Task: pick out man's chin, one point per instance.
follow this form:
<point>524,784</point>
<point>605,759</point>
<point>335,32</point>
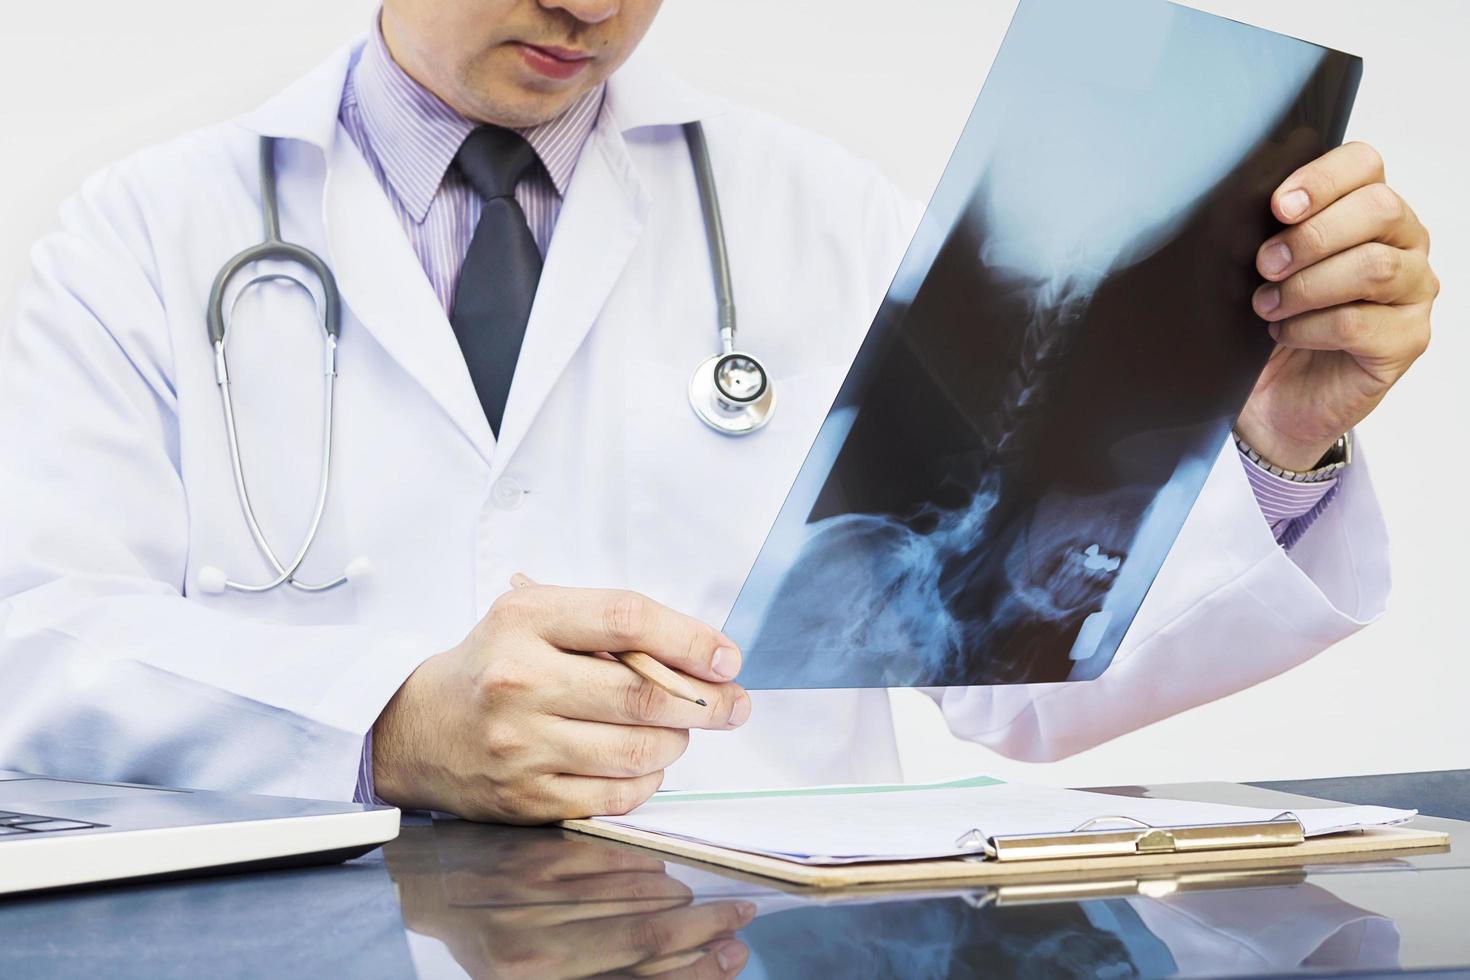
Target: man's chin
<point>521,106</point>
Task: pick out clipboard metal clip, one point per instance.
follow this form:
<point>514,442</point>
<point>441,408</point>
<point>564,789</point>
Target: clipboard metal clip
<point>1138,838</point>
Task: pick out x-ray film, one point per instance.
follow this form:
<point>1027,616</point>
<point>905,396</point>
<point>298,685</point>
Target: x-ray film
<point>1057,363</point>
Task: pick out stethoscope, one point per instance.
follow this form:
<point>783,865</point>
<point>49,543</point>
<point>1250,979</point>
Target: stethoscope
<point>730,391</point>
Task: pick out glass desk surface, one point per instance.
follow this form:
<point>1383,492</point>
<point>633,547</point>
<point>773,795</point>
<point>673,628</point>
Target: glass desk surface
<point>452,899</point>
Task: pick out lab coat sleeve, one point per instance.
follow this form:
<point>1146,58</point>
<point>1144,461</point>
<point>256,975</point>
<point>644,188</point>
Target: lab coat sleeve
<point>108,670</point>
<point>1230,608</point>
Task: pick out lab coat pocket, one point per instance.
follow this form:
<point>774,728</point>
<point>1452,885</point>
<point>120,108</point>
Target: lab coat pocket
<point>701,502</point>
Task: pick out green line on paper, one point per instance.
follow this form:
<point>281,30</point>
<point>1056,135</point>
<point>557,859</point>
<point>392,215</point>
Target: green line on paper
<point>763,794</point>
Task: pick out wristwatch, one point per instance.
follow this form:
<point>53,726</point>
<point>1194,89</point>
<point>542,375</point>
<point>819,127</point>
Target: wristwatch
<point>1333,462</point>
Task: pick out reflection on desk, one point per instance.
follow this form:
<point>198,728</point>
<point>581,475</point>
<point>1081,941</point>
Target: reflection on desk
<point>539,903</point>
<point>492,902</point>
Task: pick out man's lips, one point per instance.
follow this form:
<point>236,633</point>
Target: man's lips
<point>553,62</point>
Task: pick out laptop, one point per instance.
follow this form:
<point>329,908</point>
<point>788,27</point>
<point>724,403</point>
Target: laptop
<point>65,833</point>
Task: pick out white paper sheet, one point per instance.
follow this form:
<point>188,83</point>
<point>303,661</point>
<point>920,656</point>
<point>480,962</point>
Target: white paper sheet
<point>829,825</point>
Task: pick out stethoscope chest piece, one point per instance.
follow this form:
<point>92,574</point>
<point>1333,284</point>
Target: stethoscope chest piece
<point>732,393</point>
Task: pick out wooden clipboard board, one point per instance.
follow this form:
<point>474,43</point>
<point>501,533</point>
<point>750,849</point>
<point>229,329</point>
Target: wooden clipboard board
<point>1363,845</point>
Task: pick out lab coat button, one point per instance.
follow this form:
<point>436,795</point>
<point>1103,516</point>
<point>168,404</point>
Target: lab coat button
<point>508,494</point>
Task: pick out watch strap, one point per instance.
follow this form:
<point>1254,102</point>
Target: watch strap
<point>1333,462</point>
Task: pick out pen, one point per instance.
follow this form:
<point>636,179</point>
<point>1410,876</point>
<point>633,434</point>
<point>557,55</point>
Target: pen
<point>642,664</point>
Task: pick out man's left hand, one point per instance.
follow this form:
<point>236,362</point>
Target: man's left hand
<point>1347,298</point>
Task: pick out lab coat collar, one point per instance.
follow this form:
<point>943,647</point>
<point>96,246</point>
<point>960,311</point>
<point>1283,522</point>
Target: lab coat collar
<point>643,93</point>
<point>307,109</point>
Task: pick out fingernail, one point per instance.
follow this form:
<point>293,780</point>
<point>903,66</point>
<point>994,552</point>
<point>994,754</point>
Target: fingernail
<point>1268,299</point>
<point>1275,259</point>
<point>1274,329</point>
<point>1294,203</point>
<point>730,955</point>
<point>725,663</point>
<point>746,910</point>
<point>740,711</point>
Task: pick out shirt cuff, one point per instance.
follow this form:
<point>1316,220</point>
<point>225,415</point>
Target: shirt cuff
<point>365,792</point>
<point>1289,507</point>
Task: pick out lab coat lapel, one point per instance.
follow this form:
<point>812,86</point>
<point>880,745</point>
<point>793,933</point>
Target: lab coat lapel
<point>598,228</point>
<point>380,278</point>
<point>384,286</point>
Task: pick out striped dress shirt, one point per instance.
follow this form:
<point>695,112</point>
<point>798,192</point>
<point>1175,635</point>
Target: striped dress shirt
<point>1290,508</point>
<point>409,138</point>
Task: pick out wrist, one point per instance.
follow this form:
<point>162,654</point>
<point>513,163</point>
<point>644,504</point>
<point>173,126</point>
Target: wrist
<point>1287,454</point>
<point>398,741</point>
<point>1324,470</point>
<point>1297,452</point>
<point>387,761</point>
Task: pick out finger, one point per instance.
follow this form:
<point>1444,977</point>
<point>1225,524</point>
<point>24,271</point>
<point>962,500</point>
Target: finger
<point>1374,213</point>
<point>600,898</point>
<point>473,890</point>
<point>1372,333</point>
<point>1329,177</point>
<point>589,689</point>
<point>722,959</point>
<point>591,620</point>
<point>578,856</point>
<point>673,965</point>
<point>1373,271</point>
<point>595,796</point>
<point>565,941</point>
<point>590,947</point>
<point>660,934</point>
<point>588,748</point>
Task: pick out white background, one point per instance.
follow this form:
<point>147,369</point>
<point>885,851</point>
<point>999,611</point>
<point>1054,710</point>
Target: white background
<point>86,81</point>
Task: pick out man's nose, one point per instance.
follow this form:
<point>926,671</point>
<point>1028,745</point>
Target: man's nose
<point>586,11</point>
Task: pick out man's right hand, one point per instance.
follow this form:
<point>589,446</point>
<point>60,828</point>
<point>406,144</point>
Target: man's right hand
<point>523,722</point>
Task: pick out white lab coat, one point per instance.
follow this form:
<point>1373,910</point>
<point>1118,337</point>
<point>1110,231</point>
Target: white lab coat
<point>116,487</point>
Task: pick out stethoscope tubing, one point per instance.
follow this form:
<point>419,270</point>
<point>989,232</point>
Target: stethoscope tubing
<point>736,419</point>
<point>274,248</point>
<point>714,232</point>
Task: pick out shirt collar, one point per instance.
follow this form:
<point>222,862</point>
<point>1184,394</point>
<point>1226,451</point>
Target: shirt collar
<point>415,135</point>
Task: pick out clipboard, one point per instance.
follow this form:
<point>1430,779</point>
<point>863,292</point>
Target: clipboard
<point>1088,841</point>
<point>1082,853</point>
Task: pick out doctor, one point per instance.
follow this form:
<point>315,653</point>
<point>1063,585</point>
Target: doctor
<point>461,162</point>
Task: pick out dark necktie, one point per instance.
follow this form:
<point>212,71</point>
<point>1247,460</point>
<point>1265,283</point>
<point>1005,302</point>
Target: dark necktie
<point>497,281</point>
